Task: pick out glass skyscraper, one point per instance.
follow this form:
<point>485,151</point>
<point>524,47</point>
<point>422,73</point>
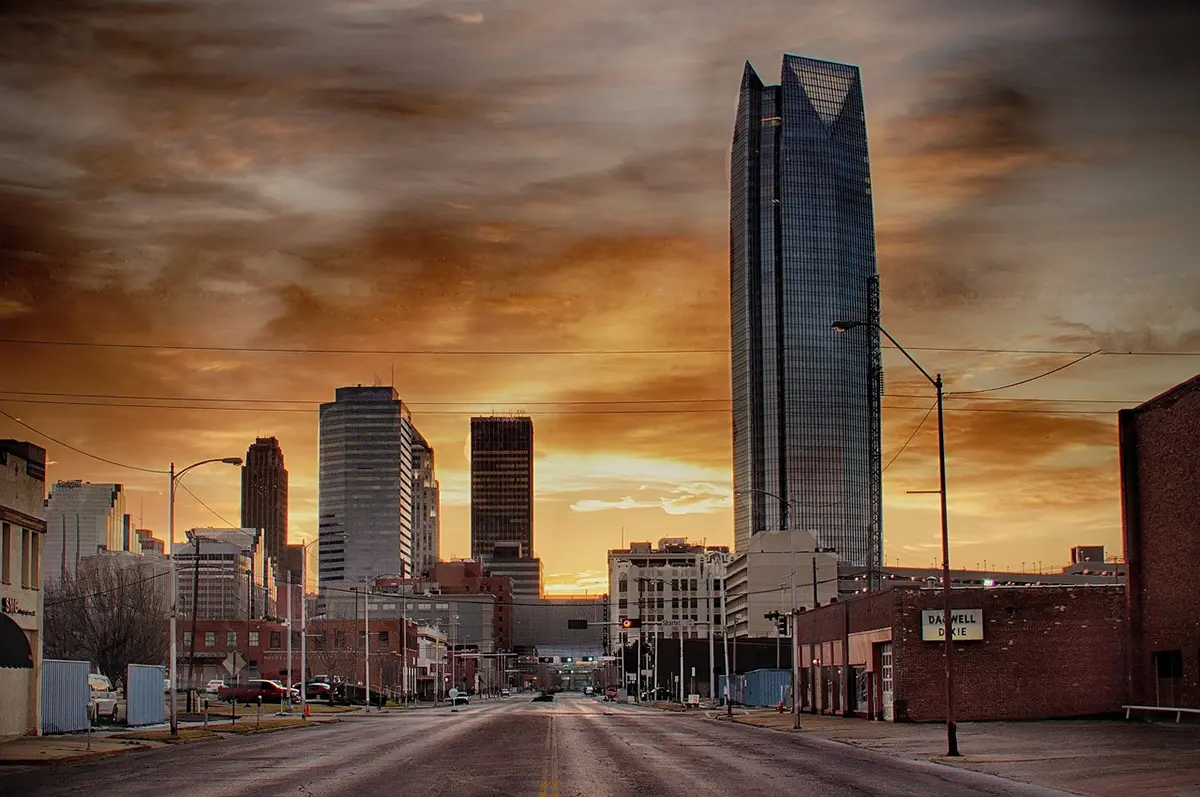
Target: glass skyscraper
<point>365,486</point>
<point>806,424</point>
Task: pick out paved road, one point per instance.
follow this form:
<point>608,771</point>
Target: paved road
<point>574,746</point>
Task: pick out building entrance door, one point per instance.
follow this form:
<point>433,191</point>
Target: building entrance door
<point>885,667</point>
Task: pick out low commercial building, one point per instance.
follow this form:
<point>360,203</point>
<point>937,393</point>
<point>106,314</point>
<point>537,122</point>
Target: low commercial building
<point>1161,520</point>
<point>1026,653</point>
<point>236,651</point>
<point>22,533</point>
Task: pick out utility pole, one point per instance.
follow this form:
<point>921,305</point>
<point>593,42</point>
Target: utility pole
<point>291,673</point>
<point>367,638</point>
<point>403,647</point>
<point>706,569</point>
<point>304,644</point>
<point>725,643</point>
<point>195,614</point>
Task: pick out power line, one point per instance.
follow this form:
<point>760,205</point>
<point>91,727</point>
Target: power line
<point>539,413</point>
<point>896,456</point>
<point>1030,379</point>
<point>432,402</point>
<point>536,352</point>
<point>79,450</point>
<point>209,508</point>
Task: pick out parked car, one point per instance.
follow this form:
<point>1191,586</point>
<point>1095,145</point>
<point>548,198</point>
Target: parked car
<point>212,687</point>
<point>461,699</point>
<point>104,699</point>
<point>318,690</point>
<point>610,694</point>
<point>269,691</point>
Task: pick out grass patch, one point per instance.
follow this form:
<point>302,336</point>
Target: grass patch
<point>186,735</point>
<point>246,725</point>
<point>324,709</point>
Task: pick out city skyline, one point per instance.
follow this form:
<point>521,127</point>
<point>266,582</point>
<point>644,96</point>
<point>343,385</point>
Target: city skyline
<point>802,256</point>
<point>377,183</point>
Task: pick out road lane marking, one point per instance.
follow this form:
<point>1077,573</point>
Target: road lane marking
<point>548,786</point>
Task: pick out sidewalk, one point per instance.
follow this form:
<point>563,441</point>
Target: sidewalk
<point>66,748</point>
<point>36,750</point>
<point>1110,758</point>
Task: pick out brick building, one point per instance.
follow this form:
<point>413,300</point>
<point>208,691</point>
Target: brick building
<point>238,650</point>
<point>1160,482</point>
<point>1041,652</point>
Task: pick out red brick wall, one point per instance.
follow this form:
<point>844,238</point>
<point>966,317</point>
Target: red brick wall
<point>1047,652</point>
<point>1161,512</point>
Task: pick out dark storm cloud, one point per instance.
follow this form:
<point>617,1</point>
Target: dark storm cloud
<point>996,118</point>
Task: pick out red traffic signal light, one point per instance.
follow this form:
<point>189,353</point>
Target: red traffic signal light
<point>631,622</point>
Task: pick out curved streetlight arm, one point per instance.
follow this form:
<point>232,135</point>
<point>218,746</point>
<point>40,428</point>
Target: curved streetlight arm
<point>227,460</point>
<point>846,326</point>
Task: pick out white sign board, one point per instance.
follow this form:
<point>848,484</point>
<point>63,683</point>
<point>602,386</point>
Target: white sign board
<point>967,625</point>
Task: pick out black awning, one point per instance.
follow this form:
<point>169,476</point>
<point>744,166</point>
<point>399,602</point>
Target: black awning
<point>14,647</point>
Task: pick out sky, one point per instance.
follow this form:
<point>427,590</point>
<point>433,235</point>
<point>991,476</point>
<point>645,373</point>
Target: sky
<point>523,206</point>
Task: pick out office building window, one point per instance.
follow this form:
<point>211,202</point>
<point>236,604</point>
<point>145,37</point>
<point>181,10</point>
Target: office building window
<point>210,639</point>
<point>231,640</point>
<point>253,639</point>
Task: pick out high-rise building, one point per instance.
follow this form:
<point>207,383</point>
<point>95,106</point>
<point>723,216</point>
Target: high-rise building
<point>427,522</point>
<point>501,483</point>
<point>365,486</point>
<point>806,424</point>
<point>82,520</point>
<point>265,496</point>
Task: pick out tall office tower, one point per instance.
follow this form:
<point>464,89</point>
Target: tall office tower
<point>501,484</point>
<point>427,522</point>
<point>806,425</point>
<point>365,486</point>
<point>265,497</point>
<point>82,520</point>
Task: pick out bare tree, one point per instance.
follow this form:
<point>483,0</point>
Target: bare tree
<point>111,612</point>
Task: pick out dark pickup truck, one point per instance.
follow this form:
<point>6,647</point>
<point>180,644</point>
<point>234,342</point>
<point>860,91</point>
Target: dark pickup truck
<point>269,691</point>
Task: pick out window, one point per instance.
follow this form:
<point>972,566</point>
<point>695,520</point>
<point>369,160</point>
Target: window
<point>25,558</point>
<point>35,561</point>
<point>295,639</point>
<point>339,640</point>
<point>6,555</point>
<point>187,639</point>
<point>231,640</point>
<point>383,639</point>
<point>276,640</point>
<point>210,639</point>
<point>622,583</point>
<point>253,639</point>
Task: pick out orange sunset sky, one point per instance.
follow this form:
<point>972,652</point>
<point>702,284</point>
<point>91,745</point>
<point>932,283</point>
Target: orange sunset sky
<point>506,199</point>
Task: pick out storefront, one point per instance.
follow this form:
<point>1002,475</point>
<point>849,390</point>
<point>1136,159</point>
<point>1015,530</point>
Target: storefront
<point>881,656</point>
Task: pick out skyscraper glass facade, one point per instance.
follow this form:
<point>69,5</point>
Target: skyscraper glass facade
<point>802,255</point>
<point>365,492</point>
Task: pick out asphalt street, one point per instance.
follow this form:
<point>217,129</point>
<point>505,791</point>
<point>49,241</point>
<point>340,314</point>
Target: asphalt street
<point>573,746</point>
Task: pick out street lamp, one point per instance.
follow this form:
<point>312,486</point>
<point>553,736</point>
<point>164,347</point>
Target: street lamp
<point>936,381</point>
<point>175,478</point>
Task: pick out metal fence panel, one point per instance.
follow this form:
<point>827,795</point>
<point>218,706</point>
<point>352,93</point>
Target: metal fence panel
<point>65,696</point>
<point>145,703</point>
<point>768,687</point>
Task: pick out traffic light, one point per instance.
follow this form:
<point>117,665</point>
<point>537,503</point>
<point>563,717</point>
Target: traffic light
<point>567,659</point>
<point>545,659</point>
<point>589,658</point>
<point>631,622</point>
<point>781,622</point>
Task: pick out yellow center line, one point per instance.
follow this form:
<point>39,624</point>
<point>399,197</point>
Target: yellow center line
<point>548,786</point>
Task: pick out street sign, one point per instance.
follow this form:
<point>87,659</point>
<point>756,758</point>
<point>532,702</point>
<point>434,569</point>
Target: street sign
<point>966,625</point>
<point>453,693</point>
<point>233,663</point>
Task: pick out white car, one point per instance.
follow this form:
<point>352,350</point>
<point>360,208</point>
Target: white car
<point>212,686</point>
<point>104,698</point>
